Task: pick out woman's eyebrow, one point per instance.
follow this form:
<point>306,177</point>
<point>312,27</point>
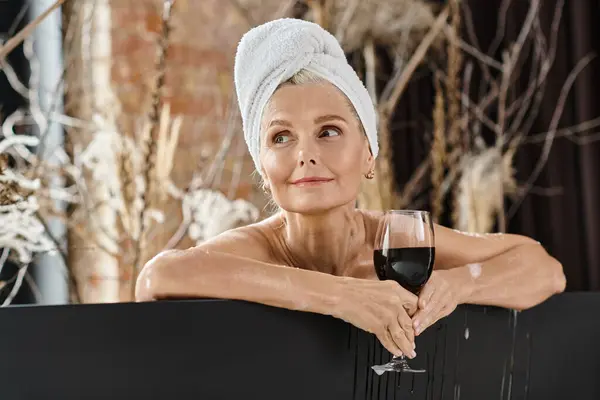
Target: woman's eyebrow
<point>280,122</point>
<point>329,117</point>
<point>318,120</point>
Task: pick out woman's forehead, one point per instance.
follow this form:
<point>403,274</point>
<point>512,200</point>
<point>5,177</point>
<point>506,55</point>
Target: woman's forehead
<point>292,101</point>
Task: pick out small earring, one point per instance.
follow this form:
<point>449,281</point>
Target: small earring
<point>370,174</point>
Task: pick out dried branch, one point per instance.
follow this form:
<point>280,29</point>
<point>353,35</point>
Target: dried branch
<point>322,12</point>
<point>552,131</point>
<point>453,67</point>
<point>16,286</point>
<point>35,290</point>
<point>347,16</point>
<point>371,68</point>
<point>465,113</point>
<point>536,89</point>
<point>27,30</point>
<point>13,79</point>
<point>150,152</point>
<point>500,28</point>
<point>565,132</point>
<point>452,81</point>
<point>18,19</point>
<point>469,49</point>
<point>413,185</point>
<point>470,29</point>
<point>438,153</point>
<point>440,22</point>
<point>4,257</point>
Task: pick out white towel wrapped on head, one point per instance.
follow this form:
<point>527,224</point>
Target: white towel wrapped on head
<point>271,53</point>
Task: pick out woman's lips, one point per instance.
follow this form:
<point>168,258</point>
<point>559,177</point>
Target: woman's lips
<point>311,181</point>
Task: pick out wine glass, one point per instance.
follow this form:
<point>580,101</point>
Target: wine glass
<point>404,251</point>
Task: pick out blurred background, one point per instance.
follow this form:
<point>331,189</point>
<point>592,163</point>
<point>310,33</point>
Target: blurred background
<point>120,134</point>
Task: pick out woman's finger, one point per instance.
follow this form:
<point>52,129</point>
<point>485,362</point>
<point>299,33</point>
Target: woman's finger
<point>386,340</point>
<point>399,337</point>
<point>425,313</point>
<point>407,326</point>
<point>408,300</point>
<point>436,312</point>
<point>426,295</point>
<point>439,315</point>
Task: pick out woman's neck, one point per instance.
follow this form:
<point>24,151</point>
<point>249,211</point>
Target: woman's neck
<point>326,242</point>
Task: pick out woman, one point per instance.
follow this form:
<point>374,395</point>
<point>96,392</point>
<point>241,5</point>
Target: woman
<point>310,128</point>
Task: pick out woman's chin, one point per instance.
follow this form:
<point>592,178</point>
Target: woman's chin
<point>307,210</point>
<point>310,205</point>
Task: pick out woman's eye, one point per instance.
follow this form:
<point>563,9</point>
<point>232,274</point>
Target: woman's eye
<point>330,132</point>
<point>281,139</point>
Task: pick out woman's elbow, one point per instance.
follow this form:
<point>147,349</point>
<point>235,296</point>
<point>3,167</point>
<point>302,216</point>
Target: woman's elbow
<point>152,277</point>
<point>550,269</point>
<point>555,281</point>
<point>559,280</point>
<point>551,278</point>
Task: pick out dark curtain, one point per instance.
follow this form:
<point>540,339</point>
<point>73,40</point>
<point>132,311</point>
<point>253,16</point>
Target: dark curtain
<point>566,222</point>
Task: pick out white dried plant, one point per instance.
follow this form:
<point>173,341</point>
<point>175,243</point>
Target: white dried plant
<point>20,228</point>
<point>209,213</point>
<point>485,178</point>
<point>102,158</point>
<point>22,231</point>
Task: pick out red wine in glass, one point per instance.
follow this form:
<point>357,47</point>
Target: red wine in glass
<point>409,266</point>
<point>404,251</point>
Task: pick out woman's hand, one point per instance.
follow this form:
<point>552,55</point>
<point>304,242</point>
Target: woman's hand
<point>383,308</point>
<point>439,297</point>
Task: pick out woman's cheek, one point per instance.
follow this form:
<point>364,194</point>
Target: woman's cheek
<point>275,164</point>
<point>344,158</point>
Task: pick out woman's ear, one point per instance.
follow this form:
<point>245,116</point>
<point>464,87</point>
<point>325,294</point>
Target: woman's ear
<point>369,163</point>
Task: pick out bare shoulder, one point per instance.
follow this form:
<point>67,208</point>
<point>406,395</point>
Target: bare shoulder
<point>253,241</point>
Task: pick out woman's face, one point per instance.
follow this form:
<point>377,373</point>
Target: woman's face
<point>313,152</point>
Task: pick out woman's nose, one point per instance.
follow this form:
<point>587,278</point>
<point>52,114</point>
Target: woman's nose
<point>304,158</point>
<point>308,152</point>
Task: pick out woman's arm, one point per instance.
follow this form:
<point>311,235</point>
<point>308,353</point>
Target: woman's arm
<point>235,266</point>
<point>502,270</point>
<point>520,278</point>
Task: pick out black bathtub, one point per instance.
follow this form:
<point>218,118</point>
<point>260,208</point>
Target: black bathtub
<point>213,349</point>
